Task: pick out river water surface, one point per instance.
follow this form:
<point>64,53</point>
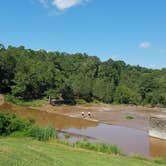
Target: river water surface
<point>130,141</point>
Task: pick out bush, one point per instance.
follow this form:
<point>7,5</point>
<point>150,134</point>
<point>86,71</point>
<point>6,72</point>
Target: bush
<point>80,101</point>
<point>9,123</point>
<point>67,135</point>
<point>42,133</point>
<point>21,102</point>
<point>110,149</point>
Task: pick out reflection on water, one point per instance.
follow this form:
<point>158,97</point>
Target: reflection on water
<point>130,141</point>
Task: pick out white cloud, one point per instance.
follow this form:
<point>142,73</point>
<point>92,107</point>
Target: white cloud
<point>63,4</point>
<point>145,45</point>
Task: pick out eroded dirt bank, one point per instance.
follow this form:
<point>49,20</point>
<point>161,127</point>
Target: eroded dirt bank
<point>1,99</point>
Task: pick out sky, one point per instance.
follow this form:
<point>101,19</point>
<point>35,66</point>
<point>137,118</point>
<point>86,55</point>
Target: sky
<point>130,30</point>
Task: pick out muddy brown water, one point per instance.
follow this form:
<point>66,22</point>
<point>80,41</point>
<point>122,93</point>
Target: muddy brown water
<point>130,141</point>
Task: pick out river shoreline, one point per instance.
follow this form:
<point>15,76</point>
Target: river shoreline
<point>110,124</point>
<point>108,114</point>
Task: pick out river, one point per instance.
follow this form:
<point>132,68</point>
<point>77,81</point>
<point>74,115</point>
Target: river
<point>131,141</point>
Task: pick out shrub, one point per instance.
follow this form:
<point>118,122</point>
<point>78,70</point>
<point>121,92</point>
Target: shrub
<point>9,123</point>
<point>21,102</point>
<point>67,135</point>
<point>80,101</point>
<point>42,133</point>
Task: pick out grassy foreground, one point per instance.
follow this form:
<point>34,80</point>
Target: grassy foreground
<point>26,151</point>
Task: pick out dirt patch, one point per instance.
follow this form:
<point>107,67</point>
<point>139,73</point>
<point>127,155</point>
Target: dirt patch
<point>1,99</point>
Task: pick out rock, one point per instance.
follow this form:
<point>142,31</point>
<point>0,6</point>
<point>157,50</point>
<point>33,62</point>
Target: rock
<point>158,126</point>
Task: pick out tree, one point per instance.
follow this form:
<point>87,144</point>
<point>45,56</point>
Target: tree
<point>7,68</point>
<point>123,95</point>
<point>29,74</point>
<point>147,86</point>
<point>33,78</point>
<point>82,87</point>
<point>103,90</point>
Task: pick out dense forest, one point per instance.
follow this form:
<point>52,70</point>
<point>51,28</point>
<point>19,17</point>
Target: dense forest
<point>27,74</point>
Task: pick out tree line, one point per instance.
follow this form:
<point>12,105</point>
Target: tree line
<point>28,74</point>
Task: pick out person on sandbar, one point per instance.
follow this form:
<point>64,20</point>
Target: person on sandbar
<point>83,115</point>
<point>89,115</point>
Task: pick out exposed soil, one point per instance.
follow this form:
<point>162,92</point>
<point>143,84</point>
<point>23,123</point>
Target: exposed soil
<point>109,114</point>
<point>1,99</point>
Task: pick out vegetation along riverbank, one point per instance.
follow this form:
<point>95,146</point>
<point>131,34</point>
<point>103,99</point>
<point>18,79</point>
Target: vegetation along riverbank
<point>72,77</point>
<point>17,148</point>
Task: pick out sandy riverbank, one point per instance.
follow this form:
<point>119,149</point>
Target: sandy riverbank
<point>109,114</point>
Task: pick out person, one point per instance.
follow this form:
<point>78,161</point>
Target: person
<point>89,114</point>
<point>83,115</point>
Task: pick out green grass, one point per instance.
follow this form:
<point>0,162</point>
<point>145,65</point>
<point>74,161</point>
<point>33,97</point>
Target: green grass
<point>42,133</point>
<point>28,103</point>
<point>26,151</point>
<point>129,117</point>
<point>110,149</point>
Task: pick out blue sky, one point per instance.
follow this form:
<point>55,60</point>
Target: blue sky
<point>129,30</point>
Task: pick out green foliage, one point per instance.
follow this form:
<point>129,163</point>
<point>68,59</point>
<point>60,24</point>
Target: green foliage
<point>81,101</point>
<point>82,87</point>
<point>9,123</point>
<point>21,102</point>
<point>104,148</point>
<point>124,95</point>
<point>42,133</point>
<point>67,94</point>
<point>29,75</point>
<point>67,135</point>
<point>103,90</point>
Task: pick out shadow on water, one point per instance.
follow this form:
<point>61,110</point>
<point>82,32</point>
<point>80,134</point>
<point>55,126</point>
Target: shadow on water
<point>130,141</point>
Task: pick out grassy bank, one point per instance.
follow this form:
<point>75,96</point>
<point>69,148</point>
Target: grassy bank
<point>80,102</point>
<point>29,103</point>
<point>24,143</point>
<point>26,151</point>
